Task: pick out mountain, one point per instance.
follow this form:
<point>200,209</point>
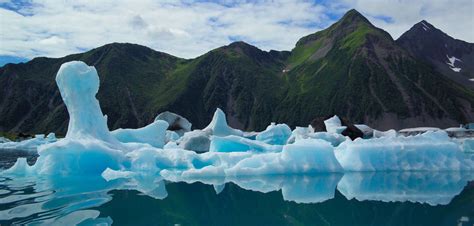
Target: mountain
<point>352,69</point>
<point>451,57</point>
<point>356,70</point>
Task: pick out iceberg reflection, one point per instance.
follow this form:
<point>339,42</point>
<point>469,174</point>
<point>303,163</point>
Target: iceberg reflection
<point>434,188</point>
<point>52,200</point>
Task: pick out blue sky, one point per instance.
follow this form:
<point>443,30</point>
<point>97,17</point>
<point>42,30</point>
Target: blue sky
<point>189,28</point>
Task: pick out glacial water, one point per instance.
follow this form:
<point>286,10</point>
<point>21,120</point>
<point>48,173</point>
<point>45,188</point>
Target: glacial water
<point>383,198</point>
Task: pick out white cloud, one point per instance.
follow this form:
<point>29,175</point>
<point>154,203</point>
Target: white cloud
<point>53,40</point>
<point>188,29</point>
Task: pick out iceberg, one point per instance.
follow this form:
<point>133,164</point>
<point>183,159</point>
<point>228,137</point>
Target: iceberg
<point>30,144</point>
<point>177,123</point>
<point>275,134</point>
<point>334,125</point>
<point>334,138</point>
<point>235,144</point>
<point>196,140</point>
<point>430,151</point>
<point>171,136</point>
<point>300,133</point>
<point>303,156</point>
<point>78,85</point>
<point>218,126</point>
<point>467,144</point>
<point>366,130</point>
<point>4,140</point>
<point>153,134</point>
<point>219,150</point>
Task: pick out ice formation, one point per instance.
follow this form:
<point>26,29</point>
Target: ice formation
<point>4,140</point>
<point>29,144</point>
<point>430,151</point>
<point>177,123</point>
<point>219,150</point>
<point>235,144</point>
<point>196,140</point>
<point>219,127</point>
<point>78,85</point>
<point>153,134</point>
<point>275,134</point>
<point>334,125</point>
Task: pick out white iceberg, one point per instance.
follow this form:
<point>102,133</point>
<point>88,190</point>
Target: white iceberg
<point>153,134</point>
<point>275,134</point>
<point>236,144</point>
<point>300,133</point>
<point>304,156</point>
<point>177,123</point>
<point>196,140</point>
<point>218,126</point>
<point>30,144</point>
<point>334,125</point>
<point>430,151</point>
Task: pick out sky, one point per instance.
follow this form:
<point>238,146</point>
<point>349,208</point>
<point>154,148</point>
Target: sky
<point>189,28</point>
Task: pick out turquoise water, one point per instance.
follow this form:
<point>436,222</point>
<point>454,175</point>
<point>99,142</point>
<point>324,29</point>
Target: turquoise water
<point>390,198</point>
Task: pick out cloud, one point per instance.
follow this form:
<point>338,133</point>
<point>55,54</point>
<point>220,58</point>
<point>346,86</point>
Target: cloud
<point>190,28</point>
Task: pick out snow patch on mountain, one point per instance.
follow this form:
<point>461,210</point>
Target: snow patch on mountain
<point>425,27</point>
<point>451,62</point>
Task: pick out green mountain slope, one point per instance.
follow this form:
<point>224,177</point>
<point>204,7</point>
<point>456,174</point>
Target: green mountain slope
<point>356,70</point>
<point>352,69</point>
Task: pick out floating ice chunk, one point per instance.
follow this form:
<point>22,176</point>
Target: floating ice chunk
<point>51,137</point>
<point>300,133</point>
<point>177,123</point>
<point>29,144</point>
<point>467,144</point>
<point>434,188</point>
<point>77,157</point>
<point>153,134</point>
<point>196,140</point>
<point>417,130</point>
<point>171,145</point>
<point>334,125</point>
<point>4,140</point>
<point>219,127</point>
<point>334,138</point>
<point>431,151</point>
<point>388,133</point>
<point>237,144</point>
<point>250,135</point>
<point>275,134</point>
<point>366,130</point>
<point>304,156</point>
<point>171,136</point>
<point>78,85</point>
<point>21,167</point>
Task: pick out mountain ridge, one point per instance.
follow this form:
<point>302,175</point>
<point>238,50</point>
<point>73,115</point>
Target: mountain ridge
<point>352,69</point>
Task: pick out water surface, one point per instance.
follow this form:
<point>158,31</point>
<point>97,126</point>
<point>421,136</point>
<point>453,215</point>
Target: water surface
<point>389,198</point>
